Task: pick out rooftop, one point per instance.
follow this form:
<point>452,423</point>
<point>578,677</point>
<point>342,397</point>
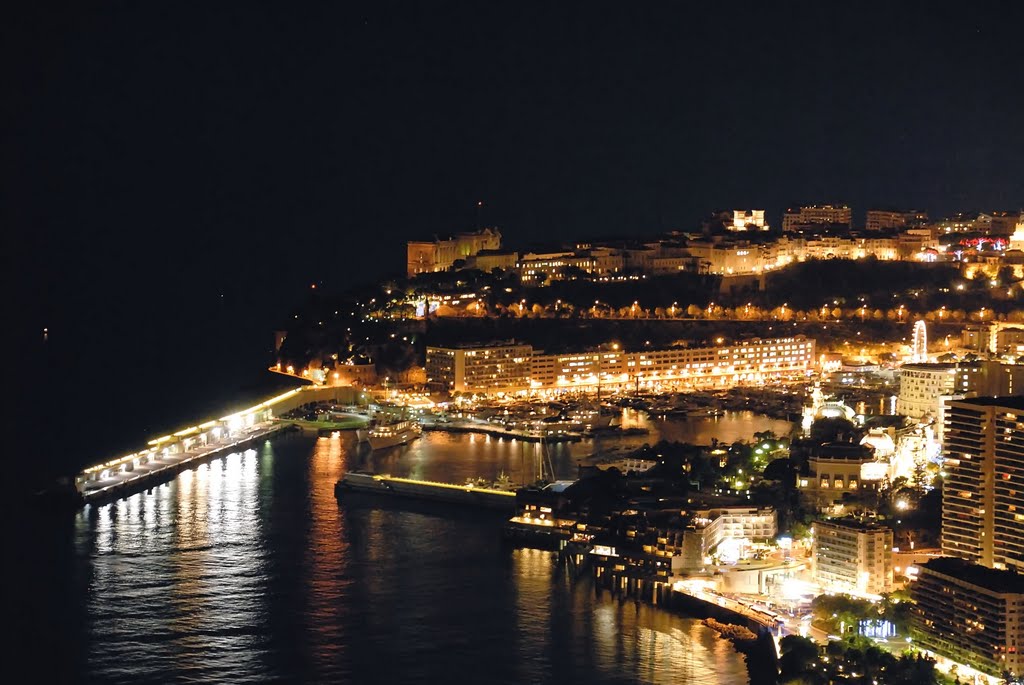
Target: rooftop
<point>856,524</point>
<point>982,576</point>
<point>1015,402</point>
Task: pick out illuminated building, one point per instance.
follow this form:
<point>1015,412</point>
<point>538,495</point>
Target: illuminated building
<point>834,469</point>
<point>999,338</point>
<point>852,556</point>
<point>497,367</point>
<point>428,256</point>
<point>748,220</point>
<point>726,531</point>
<point>971,614</point>
<point>925,388</point>
<point>751,361</point>
<point>646,550</point>
<point>983,493</point>
<point>816,214</point>
<point>878,219</point>
<point>489,260</point>
<point>921,388</point>
<point>1017,239</point>
<point>728,257</point>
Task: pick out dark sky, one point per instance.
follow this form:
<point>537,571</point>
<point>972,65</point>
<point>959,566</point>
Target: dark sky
<point>158,155</point>
<point>159,129</point>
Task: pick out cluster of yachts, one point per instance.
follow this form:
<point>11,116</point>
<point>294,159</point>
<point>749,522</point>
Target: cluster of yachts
<point>540,419</point>
<point>390,426</point>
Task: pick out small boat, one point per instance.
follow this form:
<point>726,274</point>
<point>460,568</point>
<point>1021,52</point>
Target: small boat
<point>502,483</point>
<point>706,413</point>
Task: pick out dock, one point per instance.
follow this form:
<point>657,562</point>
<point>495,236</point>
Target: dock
<point>146,471</point>
<point>167,455</point>
<point>499,432</point>
<point>450,493</point>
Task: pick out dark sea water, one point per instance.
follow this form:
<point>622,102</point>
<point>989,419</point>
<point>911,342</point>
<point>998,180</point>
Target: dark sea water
<point>248,569</point>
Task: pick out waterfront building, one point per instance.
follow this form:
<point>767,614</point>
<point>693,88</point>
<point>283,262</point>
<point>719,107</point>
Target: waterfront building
<point>429,256</point>
<point>983,492</point>
<point>970,614</point>
<point>493,368</point>
<point>879,219</point>
<point>727,531</point>
<point>852,556</point>
<point>655,547</point>
<point>508,367</point>
<point>810,215</point>
<point>752,361</point>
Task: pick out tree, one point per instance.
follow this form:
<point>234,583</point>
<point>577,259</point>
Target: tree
<point>797,657</point>
<point>829,429</point>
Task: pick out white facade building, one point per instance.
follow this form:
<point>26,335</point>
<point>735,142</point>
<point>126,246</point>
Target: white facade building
<point>854,557</point>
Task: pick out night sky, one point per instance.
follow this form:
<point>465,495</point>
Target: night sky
<point>165,164</point>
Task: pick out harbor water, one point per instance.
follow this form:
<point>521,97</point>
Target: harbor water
<point>247,569</point>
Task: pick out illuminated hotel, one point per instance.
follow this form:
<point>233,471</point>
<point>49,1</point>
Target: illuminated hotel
<point>501,367</point>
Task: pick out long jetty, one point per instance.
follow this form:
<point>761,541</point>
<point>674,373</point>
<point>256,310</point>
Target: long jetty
<point>450,493</point>
<point>167,455</point>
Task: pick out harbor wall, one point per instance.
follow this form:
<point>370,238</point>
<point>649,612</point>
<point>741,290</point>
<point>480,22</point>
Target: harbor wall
<point>425,490</point>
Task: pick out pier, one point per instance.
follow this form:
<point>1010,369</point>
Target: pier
<point>494,431</point>
<point>167,455</point>
<point>449,493</point>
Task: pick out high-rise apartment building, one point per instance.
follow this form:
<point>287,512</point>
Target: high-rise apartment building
<point>852,556</point>
<point>816,214</point>
<point>983,493</point>
<point>971,614</point>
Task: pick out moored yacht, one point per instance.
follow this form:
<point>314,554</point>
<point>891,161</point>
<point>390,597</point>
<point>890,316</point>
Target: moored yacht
<point>390,433</point>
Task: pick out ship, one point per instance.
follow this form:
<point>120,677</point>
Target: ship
<point>389,433</point>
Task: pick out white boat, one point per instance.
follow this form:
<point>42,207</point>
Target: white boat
<point>390,433</point>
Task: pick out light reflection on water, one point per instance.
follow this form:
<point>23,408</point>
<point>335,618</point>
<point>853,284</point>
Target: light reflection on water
<point>247,568</point>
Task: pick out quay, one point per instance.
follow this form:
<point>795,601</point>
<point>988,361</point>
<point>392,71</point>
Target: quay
<point>166,456</point>
<point>449,493</point>
<point>496,432</point>
<point>148,470</point>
